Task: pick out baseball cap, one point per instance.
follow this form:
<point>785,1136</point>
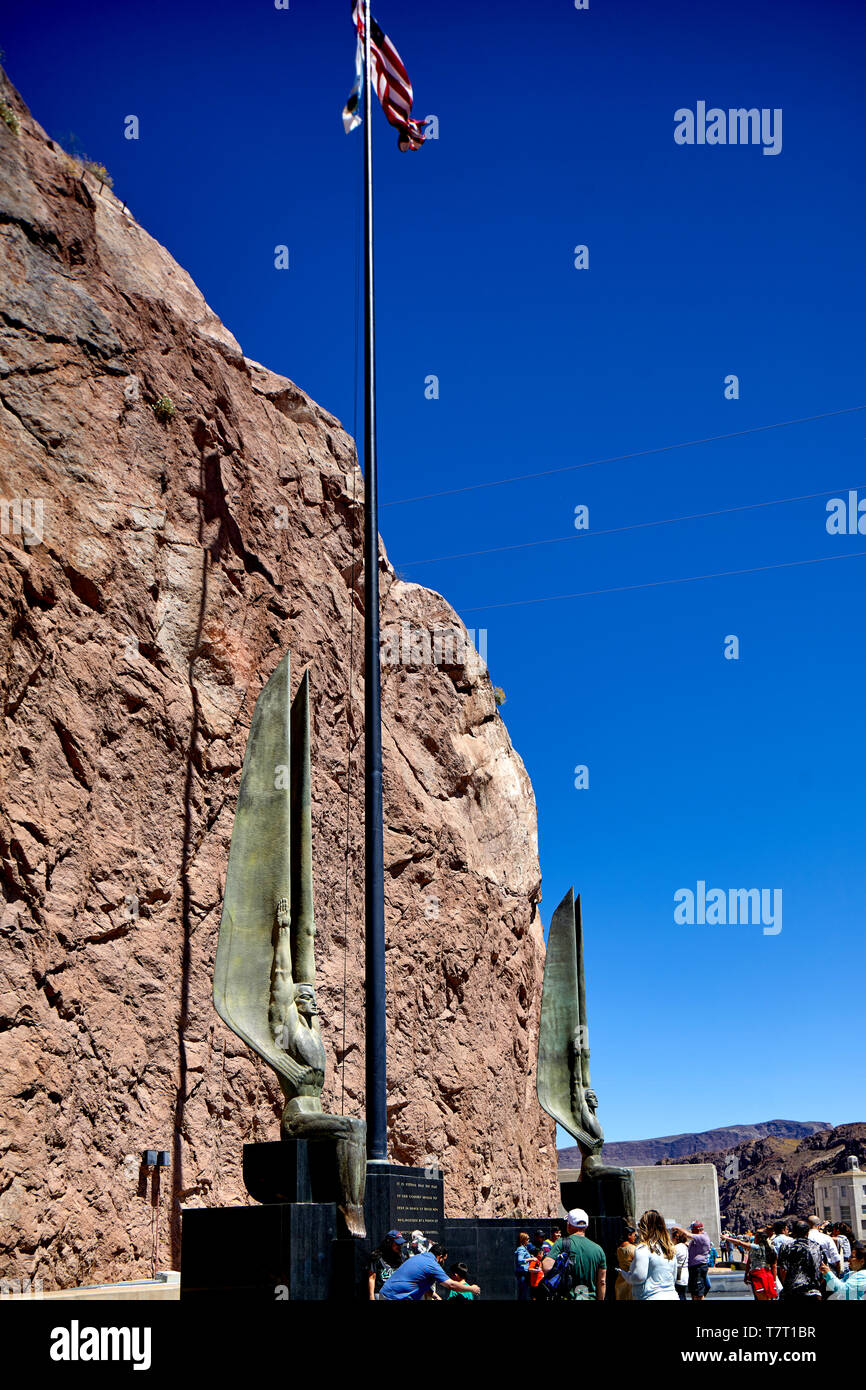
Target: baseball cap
<point>697,1225</point>
<point>396,1237</point>
<point>577,1217</point>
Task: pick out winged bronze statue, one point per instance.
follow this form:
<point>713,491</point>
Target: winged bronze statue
<point>265,972</point>
<point>563,1083</point>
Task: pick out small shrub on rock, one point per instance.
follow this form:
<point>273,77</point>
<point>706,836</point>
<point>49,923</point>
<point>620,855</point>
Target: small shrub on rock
<point>9,116</point>
<point>99,171</point>
<point>163,407</point>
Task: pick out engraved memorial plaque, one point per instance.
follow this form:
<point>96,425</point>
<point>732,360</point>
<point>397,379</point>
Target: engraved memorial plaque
<point>417,1203</point>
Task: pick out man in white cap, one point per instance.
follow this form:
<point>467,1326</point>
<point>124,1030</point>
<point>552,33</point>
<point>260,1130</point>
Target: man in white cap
<point>587,1259</point>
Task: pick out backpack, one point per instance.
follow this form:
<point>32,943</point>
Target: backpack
<point>560,1281</point>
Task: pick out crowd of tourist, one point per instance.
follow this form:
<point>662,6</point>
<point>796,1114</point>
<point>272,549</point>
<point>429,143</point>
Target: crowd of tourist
<point>402,1270</point>
<point>790,1259</point>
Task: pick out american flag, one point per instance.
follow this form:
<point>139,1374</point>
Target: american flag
<point>391,79</point>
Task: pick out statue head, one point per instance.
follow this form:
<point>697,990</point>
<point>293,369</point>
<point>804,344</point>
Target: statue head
<point>592,1101</point>
<point>305,1001</point>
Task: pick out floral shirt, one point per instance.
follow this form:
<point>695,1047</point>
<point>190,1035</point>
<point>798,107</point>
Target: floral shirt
<point>801,1261</point>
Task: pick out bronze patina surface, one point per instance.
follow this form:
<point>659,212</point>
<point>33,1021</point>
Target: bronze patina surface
<point>564,1088</point>
<point>264,974</point>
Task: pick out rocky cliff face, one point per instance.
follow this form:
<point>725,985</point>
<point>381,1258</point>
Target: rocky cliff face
<point>775,1176</point>
<point>152,573</point>
<point>671,1146</point>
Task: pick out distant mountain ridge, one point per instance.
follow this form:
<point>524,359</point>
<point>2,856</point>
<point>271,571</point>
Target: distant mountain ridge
<point>676,1146</point>
<point>775,1177</point>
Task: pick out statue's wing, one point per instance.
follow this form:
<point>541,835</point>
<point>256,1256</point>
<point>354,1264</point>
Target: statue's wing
<point>561,1020</point>
<point>258,875</point>
<point>581,995</point>
<point>303,924</point>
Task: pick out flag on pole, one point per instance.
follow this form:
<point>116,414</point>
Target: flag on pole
<point>351,112</point>
<point>391,81</point>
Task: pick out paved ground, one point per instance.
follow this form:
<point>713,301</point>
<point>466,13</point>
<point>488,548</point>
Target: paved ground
<point>726,1285</point>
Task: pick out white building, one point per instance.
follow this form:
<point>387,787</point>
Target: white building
<point>842,1197</point>
<point>682,1192</point>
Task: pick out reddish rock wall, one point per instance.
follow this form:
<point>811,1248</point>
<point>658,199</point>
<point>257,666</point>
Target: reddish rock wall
<point>134,639</point>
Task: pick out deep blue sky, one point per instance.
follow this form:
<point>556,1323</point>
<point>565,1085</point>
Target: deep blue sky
<point>556,128</point>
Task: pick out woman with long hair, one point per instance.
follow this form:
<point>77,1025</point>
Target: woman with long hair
<point>652,1272</point>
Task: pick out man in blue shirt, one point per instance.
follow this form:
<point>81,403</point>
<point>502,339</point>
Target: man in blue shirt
<point>418,1275</point>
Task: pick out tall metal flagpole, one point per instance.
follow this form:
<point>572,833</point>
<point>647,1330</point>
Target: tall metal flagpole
<point>374,877</point>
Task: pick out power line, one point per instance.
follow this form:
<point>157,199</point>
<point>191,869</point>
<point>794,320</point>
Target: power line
<point>661,583</point>
<point>635,526</point>
<point>621,458</point>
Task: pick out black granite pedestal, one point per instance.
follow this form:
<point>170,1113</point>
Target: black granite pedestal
<point>292,1170</point>
<point>397,1198</point>
<point>262,1254</point>
<point>403,1199</point>
<point>606,1202</point>
<point>282,1249</point>
<point>487,1246</point>
<point>295,1245</point>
